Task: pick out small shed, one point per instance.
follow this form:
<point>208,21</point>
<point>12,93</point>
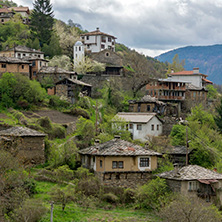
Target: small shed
<point>26,144</point>
<point>70,89</point>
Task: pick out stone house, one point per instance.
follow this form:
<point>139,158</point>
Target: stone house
<point>120,163</point>
<point>26,144</point>
<point>113,62</point>
<point>194,77</point>
<point>70,89</point>
<point>143,126</point>
<point>14,65</point>
<point>55,73</point>
<point>21,52</point>
<point>5,15</point>
<point>195,181</point>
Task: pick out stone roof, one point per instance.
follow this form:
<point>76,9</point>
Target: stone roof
<point>21,48</point>
<point>97,32</point>
<point>176,150</point>
<point>20,131</point>
<point>13,60</point>
<point>190,86</point>
<point>54,70</point>
<point>186,73</point>
<point>147,99</point>
<point>32,57</point>
<point>191,172</point>
<point>75,81</point>
<point>20,9</point>
<point>118,147</point>
<point>135,117</point>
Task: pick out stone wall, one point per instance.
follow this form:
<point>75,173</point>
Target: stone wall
<point>15,68</point>
<point>124,179</point>
<point>174,185</point>
<point>28,150</point>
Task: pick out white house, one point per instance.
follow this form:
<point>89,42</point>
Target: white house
<point>143,126</point>
<point>194,77</point>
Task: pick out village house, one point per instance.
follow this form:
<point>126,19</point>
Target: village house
<point>113,62</point>
<point>14,65</point>
<point>195,181</point>
<point>97,41</point>
<point>21,52</point>
<point>5,15</point>
<point>194,77</point>
<point>120,163</point>
<point>71,88</point>
<point>23,11</point>
<point>26,144</point>
<point>55,73</point>
<point>143,126</point>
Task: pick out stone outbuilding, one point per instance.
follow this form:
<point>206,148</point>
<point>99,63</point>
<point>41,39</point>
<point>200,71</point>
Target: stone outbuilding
<point>26,144</point>
<point>195,181</point>
<point>120,163</point>
<point>70,89</point>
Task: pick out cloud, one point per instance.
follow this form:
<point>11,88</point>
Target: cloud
<point>155,25</point>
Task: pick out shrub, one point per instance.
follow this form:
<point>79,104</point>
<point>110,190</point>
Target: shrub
<point>153,195</point>
<point>78,111</point>
<point>56,102</point>
<point>110,198</point>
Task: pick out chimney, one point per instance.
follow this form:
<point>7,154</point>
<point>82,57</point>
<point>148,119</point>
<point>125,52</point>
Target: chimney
<point>215,169</point>
<point>97,29</point>
<point>172,70</point>
<point>195,70</point>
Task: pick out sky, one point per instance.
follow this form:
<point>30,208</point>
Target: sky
<point>149,26</point>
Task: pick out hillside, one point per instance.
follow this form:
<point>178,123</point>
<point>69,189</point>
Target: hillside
<point>207,58</point>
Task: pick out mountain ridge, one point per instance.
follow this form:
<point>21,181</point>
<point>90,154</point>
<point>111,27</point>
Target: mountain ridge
<point>207,58</point>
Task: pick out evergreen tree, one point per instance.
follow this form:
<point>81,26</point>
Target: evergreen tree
<point>42,21</point>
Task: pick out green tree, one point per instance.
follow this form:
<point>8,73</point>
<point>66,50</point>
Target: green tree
<point>212,92</point>
<point>218,117</point>
<point>153,195</point>
<point>42,20</point>
<point>176,65</point>
<point>178,135</point>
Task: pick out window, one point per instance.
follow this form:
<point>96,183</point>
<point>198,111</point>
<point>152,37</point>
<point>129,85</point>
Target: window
<point>24,54</point>
<point>139,126</point>
<point>79,48</point>
<point>131,126</point>
<point>103,38</point>
<point>157,127</point>
<point>33,63</point>
<point>3,65</point>
<point>88,46</point>
<point>101,163</point>
<point>109,39</point>
<point>87,37</point>
<point>2,20</point>
<point>40,63</point>
<point>102,46</point>
<point>22,66</point>
<point>144,162</point>
<point>34,73</point>
<point>19,55</point>
<point>117,164</point>
<point>193,185</point>
<point>82,37</point>
<point>152,127</point>
<point>148,108</point>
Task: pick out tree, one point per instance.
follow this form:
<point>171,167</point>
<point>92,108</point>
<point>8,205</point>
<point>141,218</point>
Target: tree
<point>212,92</point>
<point>185,209</point>
<point>42,21</point>
<point>218,117</point>
<point>62,61</point>
<point>176,65</point>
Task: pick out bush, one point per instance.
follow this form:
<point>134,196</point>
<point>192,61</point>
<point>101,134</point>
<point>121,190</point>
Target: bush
<point>153,195</point>
<point>56,102</point>
<point>110,198</point>
<point>78,111</point>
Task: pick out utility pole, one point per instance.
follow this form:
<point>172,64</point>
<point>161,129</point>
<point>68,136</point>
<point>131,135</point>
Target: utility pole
<point>187,145</point>
<point>51,219</point>
<point>96,116</point>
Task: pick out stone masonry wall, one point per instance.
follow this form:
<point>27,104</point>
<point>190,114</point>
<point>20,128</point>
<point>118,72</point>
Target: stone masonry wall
<point>124,179</point>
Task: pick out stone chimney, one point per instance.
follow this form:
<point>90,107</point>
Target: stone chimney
<point>172,70</point>
<point>195,70</point>
<point>97,141</point>
<point>117,136</point>
<point>97,29</point>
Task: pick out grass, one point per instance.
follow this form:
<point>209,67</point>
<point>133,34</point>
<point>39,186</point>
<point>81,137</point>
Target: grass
<point>75,213</point>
